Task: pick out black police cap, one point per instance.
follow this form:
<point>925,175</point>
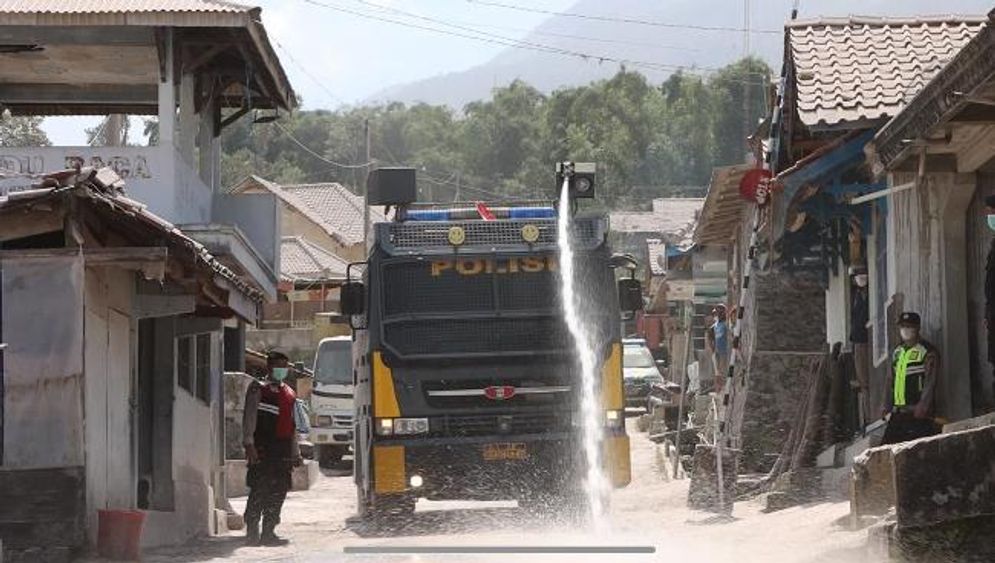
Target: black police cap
<point>909,319</point>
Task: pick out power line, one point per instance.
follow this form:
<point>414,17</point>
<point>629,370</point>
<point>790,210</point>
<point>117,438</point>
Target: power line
<point>506,41</point>
<point>315,154</point>
<point>307,73</point>
<point>475,26</point>
<point>636,21</point>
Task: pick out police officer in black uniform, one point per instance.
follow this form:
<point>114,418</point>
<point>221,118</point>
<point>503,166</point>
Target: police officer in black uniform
<point>271,449</point>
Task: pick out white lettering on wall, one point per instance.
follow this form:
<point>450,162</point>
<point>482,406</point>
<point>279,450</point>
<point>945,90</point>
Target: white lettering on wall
<point>18,172</point>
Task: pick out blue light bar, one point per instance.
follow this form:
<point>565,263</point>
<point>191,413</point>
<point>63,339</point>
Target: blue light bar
<point>428,214</point>
<point>532,213</point>
<point>470,214</point>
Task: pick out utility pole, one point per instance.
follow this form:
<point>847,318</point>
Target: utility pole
<point>366,189</point>
<point>747,78</point>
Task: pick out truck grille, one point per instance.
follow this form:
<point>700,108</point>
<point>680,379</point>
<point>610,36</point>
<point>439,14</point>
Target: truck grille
<point>470,394</point>
<point>487,336</point>
<point>420,236</point>
<point>342,421</point>
<point>496,425</point>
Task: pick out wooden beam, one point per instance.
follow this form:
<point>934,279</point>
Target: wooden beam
<point>123,256</point>
<point>76,35</point>
<point>78,94</point>
<point>204,57</point>
<point>232,117</point>
<point>29,224</point>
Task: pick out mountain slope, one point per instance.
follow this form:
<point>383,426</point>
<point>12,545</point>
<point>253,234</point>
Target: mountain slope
<point>673,47</point>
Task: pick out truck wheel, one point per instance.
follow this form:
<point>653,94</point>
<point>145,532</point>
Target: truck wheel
<point>328,456</point>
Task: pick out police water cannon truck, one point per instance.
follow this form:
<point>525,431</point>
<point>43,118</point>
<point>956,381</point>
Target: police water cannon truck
<point>467,383</point>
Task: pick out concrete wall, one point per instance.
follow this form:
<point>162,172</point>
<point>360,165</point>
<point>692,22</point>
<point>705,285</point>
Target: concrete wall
<point>42,480</point>
<point>197,466</point>
<point>257,215</point>
<point>111,482</point>
<point>43,363</point>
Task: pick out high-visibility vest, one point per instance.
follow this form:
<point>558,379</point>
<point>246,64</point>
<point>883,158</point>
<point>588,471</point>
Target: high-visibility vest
<point>910,374</point>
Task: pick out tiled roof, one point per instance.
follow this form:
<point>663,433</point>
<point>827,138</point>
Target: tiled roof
<point>300,259</point>
<point>969,75</point>
<point>670,216</point>
<point>330,206</point>
<point>851,71</point>
<point>337,207</point>
<point>117,6</point>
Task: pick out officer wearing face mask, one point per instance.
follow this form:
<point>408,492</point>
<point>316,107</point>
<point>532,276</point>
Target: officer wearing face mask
<point>269,435</point>
<point>911,385</point>
<point>859,338</point>
<point>990,281</point>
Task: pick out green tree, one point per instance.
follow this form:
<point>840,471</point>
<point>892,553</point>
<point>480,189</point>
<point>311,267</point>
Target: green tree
<point>22,131</point>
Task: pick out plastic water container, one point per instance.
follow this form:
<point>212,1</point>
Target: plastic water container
<point>119,534</point>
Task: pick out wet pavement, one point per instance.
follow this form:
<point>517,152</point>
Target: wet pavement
<point>649,516</point>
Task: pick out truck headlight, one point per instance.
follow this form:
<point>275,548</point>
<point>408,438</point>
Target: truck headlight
<point>614,419</point>
<point>410,426</point>
<point>324,420</point>
<point>385,426</point>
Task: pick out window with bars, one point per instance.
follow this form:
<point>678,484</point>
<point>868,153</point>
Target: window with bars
<point>193,365</point>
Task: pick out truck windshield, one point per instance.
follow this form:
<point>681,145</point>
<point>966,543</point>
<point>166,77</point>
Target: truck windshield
<point>478,305</point>
<point>334,364</point>
<point>637,357</point>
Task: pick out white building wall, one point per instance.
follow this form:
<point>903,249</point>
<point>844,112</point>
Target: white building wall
<point>108,393</point>
<point>195,455</point>
<point>43,362</point>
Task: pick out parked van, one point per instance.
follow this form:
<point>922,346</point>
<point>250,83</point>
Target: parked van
<point>332,400</point>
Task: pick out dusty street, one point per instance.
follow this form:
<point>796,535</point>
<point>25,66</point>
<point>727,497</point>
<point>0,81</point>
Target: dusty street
<point>651,512</point>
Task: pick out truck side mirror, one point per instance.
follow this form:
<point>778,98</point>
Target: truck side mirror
<point>630,295</point>
<point>352,299</point>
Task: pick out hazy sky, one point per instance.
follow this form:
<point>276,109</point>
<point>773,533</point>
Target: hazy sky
<point>354,57</point>
<point>334,57</point>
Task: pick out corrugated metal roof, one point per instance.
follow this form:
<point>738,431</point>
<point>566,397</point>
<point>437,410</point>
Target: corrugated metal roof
<point>117,6</point>
<point>723,207</point>
<point>670,216</point>
<point>848,71</point>
<point>301,259</point>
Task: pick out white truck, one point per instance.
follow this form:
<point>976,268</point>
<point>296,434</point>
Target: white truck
<point>332,400</point>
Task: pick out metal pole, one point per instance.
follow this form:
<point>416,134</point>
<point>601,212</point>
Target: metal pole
<point>366,190</point>
<point>718,459</point>
<point>680,406</point>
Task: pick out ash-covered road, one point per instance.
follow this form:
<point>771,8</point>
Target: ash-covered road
<point>650,512</point>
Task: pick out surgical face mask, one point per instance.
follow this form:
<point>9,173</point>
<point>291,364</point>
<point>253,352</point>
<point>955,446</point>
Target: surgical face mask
<point>860,280</point>
<point>279,374</point>
<point>991,222</point>
<point>907,333</point>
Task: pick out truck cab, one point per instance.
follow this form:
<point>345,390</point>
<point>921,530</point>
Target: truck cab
<point>332,401</point>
